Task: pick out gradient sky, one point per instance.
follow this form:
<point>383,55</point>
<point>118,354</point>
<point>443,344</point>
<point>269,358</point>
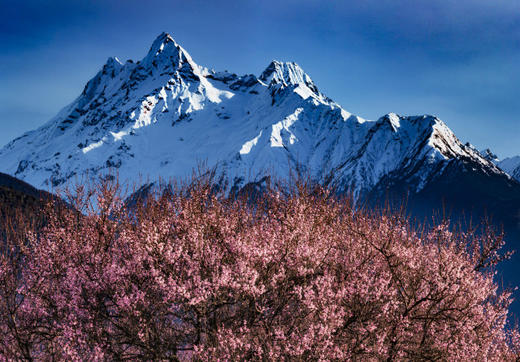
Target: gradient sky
<point>457,59</point>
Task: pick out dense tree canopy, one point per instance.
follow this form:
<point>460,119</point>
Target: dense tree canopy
<point>192,274</point>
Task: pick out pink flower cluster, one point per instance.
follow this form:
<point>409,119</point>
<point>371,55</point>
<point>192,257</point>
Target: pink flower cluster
<point>194,275</point>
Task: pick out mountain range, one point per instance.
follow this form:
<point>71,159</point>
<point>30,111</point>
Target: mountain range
<point>165,115</point>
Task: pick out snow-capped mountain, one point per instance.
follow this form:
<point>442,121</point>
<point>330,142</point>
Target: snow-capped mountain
<point>164,115</point>
<point>490,156</point>
<point>511,165</point>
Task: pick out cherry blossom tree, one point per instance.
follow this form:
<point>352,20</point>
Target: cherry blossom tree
<point>192,274</point>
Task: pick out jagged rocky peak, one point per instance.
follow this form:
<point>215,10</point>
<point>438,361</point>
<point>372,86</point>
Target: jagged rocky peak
<point>392,119</point>
<point>422,122</point>
<point>160,41</point>
<point>164,44</point>
<point>427,130</point>
<point>166,53</point>
<point>489,155</point>
<point>286,74</point>
<point>113,63</point>
<point>110,70</point>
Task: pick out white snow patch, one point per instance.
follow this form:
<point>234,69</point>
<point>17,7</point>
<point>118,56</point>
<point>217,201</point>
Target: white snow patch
<point>394,121</point>
<point>246,147</point>
<point>93,146</point>
<point>345,115</point>
<point>303,91</point>
<point>276,134</point>
<point>118,136</point>
<point>214,95</point>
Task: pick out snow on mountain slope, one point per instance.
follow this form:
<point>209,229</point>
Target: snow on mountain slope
<point>490,156</point>
<point>164,115</point>
<point>511,165</point>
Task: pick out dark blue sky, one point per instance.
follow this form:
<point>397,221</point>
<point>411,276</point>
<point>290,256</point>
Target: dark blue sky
<point>457,59</point>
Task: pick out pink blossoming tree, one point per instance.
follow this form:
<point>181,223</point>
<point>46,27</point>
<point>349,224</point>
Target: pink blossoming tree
<point>195,275</point>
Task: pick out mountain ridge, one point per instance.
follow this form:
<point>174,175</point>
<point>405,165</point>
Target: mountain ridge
<point>511,165</point>
<point>162,115</point>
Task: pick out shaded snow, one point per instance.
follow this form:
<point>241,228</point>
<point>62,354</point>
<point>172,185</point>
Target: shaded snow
<point>511,165</point>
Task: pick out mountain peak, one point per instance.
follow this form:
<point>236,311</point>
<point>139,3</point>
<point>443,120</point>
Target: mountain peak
<point>160,42</point>
<point>166,52</point>
<point>286,74</point>
<point>113,61</point>
<point>489,155</point>
<point>393,119</point>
